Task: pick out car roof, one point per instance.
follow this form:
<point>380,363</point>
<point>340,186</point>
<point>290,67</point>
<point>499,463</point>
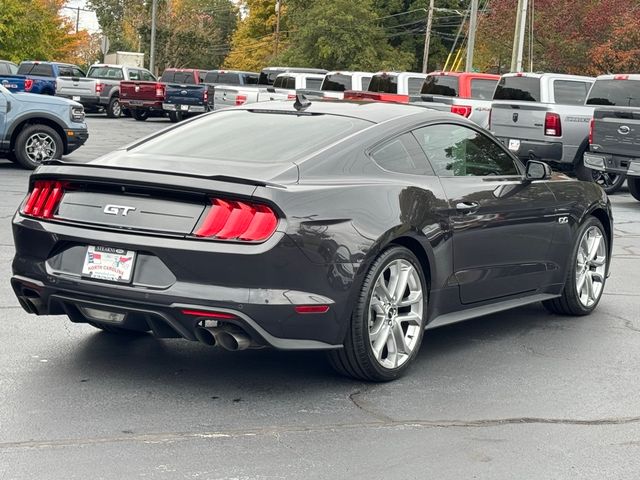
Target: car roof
<point>487,76</point>
<point>548,75</point>
<point>619,76</point>
<point>375,112</point>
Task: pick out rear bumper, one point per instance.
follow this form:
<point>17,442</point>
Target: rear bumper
<point>260,285</point>
<point>86,101</point>
<point>550,152</point>
<point>618,164</point>
<point>141,104</point>
<point>174,107</point>
<point>76,138</point>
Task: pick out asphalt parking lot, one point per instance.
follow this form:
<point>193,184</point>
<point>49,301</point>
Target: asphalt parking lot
<point>521,394</point>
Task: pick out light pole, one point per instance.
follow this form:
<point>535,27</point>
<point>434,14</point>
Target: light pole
<point>152,53</point>
<point>277,25</point>
<point>427,37</point>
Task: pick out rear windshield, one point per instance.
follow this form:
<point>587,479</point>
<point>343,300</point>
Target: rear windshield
<point>224,78</point>
<point>37,69</point>
<point>107,73</point>
<point>384,84</point>
<point>269,76</point>
<point>483,89</point>
<point>525,89</point>
<point>260,137</point>
<point>440,85</point>
<point>183,78</point>
<point>615,93</point>
<point>336,83</point>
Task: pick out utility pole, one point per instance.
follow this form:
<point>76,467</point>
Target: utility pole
<point>427,37</point>
<point>152,53</point>
<point>277,26</point>
<point>77,19</point>
<point>518,37</point>
<point>473,25</point>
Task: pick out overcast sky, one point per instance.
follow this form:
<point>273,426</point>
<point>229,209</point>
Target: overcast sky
<point>88,20</point>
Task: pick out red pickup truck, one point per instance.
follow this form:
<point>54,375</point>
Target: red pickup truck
<point>145,98</point>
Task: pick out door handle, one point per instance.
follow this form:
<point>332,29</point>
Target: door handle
<point>467,207</point>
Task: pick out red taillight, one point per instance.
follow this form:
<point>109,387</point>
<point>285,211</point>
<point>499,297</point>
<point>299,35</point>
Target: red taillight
<point>206,314</point>
<point>241,99</point>
<point>464,110</point>
<point>552,125</point>
<point>44,199</point>
<point>232,220</point>
<point>291,96</point>
<point>99,88</point>
<point>592,126</point>
<point>28,85</point>
<point>621,77</point>
<point>159,90</point>
<point>304,309</point>
<point>205,96</point>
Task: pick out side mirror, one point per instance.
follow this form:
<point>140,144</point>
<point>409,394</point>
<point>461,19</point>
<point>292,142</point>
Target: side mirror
<point>271,89</point>
<point>537,171</point>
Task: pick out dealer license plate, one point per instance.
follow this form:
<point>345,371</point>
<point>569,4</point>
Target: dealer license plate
<point>184,108</point>
<point>514,145</point>
<point>135,102</point>
<point>108,263</point>
<point>75,98</point>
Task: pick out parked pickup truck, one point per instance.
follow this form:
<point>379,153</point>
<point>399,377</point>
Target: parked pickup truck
<point>34,128</point>
<point>232,96</point>
<point>396,86</point>
<point>100,90</point>
<point>145,98</point>
<point>614,135</point>
<point>8,68</point>
<point>200,97</point>
<point>543,117</point>
<point>335,84</point>
<point>466,93</point>
<point>39,77</point>
<point>186,94</point>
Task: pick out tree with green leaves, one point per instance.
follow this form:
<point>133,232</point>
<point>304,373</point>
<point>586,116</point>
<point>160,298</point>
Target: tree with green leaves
<point>340,34</point>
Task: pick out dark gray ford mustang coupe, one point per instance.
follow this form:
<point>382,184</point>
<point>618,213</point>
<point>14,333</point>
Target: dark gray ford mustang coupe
<point>348,227</point>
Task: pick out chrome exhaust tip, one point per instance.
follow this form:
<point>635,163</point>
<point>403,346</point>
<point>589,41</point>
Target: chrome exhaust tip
<point>207,335</point>
<point>233,341</point>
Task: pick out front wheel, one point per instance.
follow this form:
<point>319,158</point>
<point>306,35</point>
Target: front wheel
<point>388,321</point>
<point>587,273</point>
<point>634,187</point>
<point>37,143</point>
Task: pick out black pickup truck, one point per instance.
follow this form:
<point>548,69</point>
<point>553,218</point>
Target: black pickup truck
<point>614,135</point>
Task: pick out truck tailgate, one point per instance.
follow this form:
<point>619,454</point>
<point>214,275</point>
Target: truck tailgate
<point>518,120</point>
<point>73,86</point>
<point>185,94</point>
<point>13,83</point>
<point>616,130</point>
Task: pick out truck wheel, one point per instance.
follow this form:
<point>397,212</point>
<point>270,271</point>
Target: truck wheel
<point>634,187</point>
<point>610,182</point>
<point>114,110</point>
<point>37,143</point>
<point>175,117</point>
<point>140,115</point>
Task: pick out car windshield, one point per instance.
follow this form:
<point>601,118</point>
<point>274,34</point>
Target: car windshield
<point>445,85</point>
<point>525,89</point>
<point>106,73</point>
<point>618,93</point>
<point>253,136</point>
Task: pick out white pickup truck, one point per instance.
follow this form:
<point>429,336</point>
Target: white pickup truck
<point>100,89</point>
<point>267,88</point>
<point>543,117</point>
<point>336,83</point>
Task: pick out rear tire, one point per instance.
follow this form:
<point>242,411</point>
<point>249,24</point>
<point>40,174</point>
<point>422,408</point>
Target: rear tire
<point>634,187</point>
<point>140,115</point>
<point>587,272</point>
<point>175,117</point>
<point>36,143</point>
<point>114,110</point>
<point>394,321</point>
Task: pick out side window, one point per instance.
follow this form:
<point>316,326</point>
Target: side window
<point>290,83</point>
<point>134,74</point>
<point>414,85</point>
<point>365,83</point>
<point>64,71</point>
<point>279,82</point>
<point>402,155</point>
<point>568,92</point>
<point>251,79</point>
<point>13,69</point>
<point>457,151</point>
<point>146,76</point>
<point>4,68</point>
